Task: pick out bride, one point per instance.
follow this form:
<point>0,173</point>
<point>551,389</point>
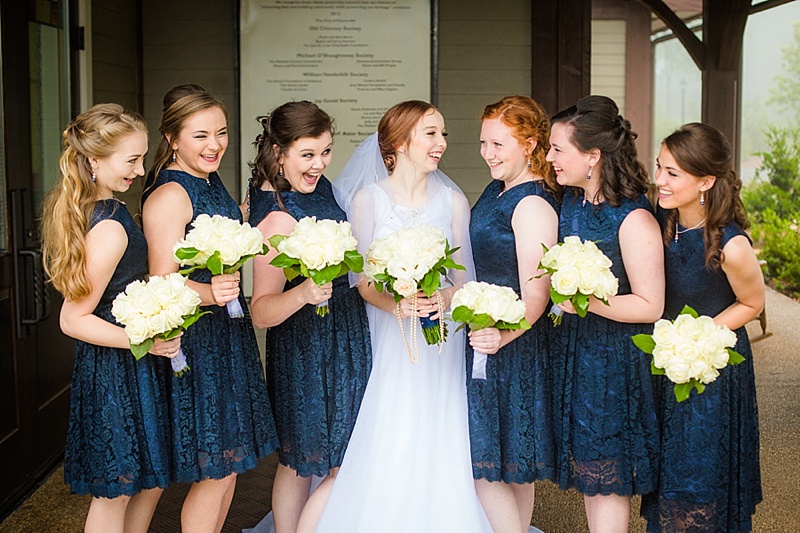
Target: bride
<point>407,466</point>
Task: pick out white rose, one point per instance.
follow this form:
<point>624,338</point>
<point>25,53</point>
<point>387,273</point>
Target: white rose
<point>404,287</point>
<point>565,280</point>
<point>137,330</point>
<point>663,355</point>
<point>686,326</point>
<point>228,250</point>
<point>727,338</point>
<point>173,317</point>
<point>664,334</point>
<point>161,289</point>
<point>189,300</point>
<point>686,351</point>
<point>609,285</point>
<point>249,241</point>
<point>706,326</point>
<point>550,258</point>
<point>678,372</point>
<point>144,302</point>
<point>158,323</point>
<point>589,281</point>
<point>333,252</point>
<point>314,258</point>
<point>567,256</point>
<point>708,375</point>
<point>123,309</point>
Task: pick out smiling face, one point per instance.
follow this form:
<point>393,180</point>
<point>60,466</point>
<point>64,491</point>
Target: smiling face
<point>677,188</point>
<point>305,160</point>
<point>569,162</point>
<point>427,143</point>
<point>506,157</point>
<point>116,172</point>
<point>201,143</point>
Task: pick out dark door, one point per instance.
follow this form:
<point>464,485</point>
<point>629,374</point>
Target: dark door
<point>35,357</point>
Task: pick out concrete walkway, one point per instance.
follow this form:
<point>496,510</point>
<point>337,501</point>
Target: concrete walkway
<point>777,363</point>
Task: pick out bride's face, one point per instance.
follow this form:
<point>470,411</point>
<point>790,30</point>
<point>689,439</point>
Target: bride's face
<point>428,142</point>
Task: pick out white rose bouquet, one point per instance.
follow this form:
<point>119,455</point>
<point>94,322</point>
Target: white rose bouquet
<point>409,260</point>
<point>321,250</point>
<point>160,307</point>
<point>221,245</point>
<point>578,270</point>
<point>485,305</point>
<point>690,351</point>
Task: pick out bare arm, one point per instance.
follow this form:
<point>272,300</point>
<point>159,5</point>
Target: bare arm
<point>164,218</point>
<point>744,274</point>
<point>643,255</point>
<point>105,244</point>
<point>534,223</point>
<point>270,304</point>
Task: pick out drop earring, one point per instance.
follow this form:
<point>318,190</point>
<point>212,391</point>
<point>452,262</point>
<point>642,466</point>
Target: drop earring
<point>173,156</point>
<point>702,198</point>
<point>94,175</point>
<point>280,171</point>
<point>589,175</point>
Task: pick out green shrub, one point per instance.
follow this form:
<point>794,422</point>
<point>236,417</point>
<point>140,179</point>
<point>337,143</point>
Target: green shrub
<point>780,248</point>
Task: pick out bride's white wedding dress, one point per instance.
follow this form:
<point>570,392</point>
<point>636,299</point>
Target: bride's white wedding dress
<point>407,467</point>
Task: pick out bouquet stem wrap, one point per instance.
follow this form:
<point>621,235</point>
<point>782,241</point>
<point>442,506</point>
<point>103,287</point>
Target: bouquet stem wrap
<point>235,308</point>
<point>179,365</point>
<point>323,308</point>
<point>479,365</point>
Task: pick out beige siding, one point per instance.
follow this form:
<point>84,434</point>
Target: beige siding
<point>484,54</point>
<point>608,60</point>
<point>200,49</point>
<point>115,53</point>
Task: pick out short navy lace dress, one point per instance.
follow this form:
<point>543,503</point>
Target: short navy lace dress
<point>510,412</point>
<point>317,367</point>
<point>118,441</point>
<point>606,429</point>
<point>710,479</point>
<point>222,419</point>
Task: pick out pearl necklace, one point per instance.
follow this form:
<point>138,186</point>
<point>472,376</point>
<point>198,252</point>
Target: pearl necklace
<point>679,232</point>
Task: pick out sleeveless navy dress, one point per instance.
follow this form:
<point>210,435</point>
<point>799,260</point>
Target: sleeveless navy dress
<point>118,441</point>
<point>710,476</point>
<point>606,429</point>
<point>317,367</point>
<point>510,412</point>
<point>222,420</point>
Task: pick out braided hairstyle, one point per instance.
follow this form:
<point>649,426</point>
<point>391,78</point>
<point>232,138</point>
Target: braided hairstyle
<point>702,150</point>
<point>69,206</point>
<point>527,120</point>
<point>597,124</point>
<point>280,130</point>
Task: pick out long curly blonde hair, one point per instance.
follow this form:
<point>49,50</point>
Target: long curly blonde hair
<point>68,207</point>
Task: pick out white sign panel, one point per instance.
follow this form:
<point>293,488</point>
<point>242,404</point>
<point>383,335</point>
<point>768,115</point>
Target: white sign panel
<point>353,58</point>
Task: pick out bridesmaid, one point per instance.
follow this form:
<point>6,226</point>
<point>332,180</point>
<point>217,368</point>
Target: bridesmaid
<point>509,411</point>
<point>710,479</point>
<point>222,422</point>
<point>317,367</point>
<point>606,430</point>
<point>118,441</point>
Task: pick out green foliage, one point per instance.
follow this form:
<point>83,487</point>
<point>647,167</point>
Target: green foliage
<point>787,86</point>
<point>780,247</point>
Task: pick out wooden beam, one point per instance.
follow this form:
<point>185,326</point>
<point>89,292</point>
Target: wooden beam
<point>697,50</point>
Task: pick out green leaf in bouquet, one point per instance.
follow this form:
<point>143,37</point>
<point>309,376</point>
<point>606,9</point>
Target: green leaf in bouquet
<point>734,358</point>
<point>430,283</point>
<point>354,261</point>
<point>188,252</point>
<point>237,265</point>
<point>141,349</point>
<point>689,311</point>
<point>655,370</point>
<point>291,272</point>
<point>283,261</point>
<point>275,240</point>
<point>191,319</point>
<point>325,275</point>
<point>462,313</point>
<point>480,321</point>
<point>581,304</point>
<point>522,324</point>
<point>645,342</point>
<point>214,264</point>
<point>187,271</point>
<point>683,390</point>
<point>557,297</point>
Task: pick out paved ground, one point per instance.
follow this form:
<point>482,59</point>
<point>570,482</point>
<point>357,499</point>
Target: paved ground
<point>777,358</point>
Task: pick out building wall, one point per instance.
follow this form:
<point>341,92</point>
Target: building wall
<point>484,54</point>
<point>115,53</point>
<point>192,42</point>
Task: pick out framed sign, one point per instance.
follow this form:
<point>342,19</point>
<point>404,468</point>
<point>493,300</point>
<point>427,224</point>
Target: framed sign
<point>353,58</point>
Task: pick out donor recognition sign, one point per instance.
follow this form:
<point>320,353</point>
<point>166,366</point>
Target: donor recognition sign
<point>353,58</point>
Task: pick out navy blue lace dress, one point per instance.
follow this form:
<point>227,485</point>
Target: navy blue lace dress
<point>222,420</point>
<point>317,367</point>
<point>710,478</point>
<point>606,428</point>
<point>118,441</point>
<point>510,412</point>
